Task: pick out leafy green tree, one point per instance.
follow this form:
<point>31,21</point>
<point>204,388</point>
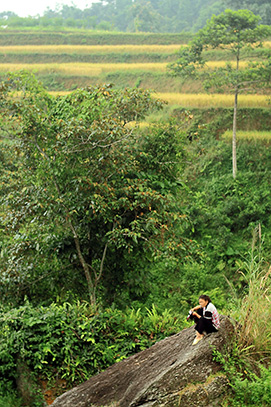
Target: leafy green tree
<point>236,32</point>
<point>82,184</point>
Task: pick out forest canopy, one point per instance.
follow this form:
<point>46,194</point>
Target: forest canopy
<point>136,16</point>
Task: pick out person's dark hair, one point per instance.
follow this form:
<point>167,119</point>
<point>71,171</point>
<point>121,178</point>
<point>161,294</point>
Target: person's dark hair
<point>205,298</point>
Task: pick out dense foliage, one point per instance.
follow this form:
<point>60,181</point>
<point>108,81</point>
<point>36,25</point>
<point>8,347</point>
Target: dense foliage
<point>76,341</point>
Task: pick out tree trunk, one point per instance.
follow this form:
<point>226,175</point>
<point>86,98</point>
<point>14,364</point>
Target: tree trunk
<point>86,269</point>
<point>234,160</point>
<point>234,125</point>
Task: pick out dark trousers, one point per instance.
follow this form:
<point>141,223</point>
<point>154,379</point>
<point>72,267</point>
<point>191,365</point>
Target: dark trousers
<point>203,324</point>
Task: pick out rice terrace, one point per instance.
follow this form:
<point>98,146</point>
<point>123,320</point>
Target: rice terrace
<point>64,67</point>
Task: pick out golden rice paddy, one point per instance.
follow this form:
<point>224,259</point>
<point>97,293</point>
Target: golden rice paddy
<point>88,49</point>
<point>94,69</point>
<point>203,100</point>
<point>82,68</point>
<point>249,135</point>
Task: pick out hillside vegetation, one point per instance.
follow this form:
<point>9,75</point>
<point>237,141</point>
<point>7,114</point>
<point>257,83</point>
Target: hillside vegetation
<point>143,191</point>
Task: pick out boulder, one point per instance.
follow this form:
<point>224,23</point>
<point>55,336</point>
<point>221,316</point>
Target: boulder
<point>171,373</point>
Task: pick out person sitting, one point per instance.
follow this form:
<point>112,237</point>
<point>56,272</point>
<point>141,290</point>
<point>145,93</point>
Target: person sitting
<point>206,317</point>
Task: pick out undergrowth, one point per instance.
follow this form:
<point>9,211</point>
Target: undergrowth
<point>74,342</point>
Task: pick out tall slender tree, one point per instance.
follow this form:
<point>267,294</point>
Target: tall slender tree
<point>238,33</point>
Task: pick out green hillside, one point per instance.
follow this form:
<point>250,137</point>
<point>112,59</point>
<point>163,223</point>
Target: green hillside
<point>118,210</point>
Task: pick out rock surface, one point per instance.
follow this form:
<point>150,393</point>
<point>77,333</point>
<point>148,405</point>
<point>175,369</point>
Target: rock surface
<point>169,374</point>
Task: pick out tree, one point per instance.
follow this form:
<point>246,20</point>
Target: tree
<point>238,33</point>
<point>82,185</point>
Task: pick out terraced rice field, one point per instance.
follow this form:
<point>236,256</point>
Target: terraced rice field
<point>64,75</point>
<point>84,68</point>
<point>96,69</point>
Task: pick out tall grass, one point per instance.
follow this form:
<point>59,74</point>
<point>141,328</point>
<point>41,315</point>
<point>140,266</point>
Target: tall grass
<point>253,310</point>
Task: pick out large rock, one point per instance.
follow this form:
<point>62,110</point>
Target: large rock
<point>169,374</point>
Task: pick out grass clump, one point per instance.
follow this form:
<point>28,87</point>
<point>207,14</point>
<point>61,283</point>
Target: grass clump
<point>247,361</point>
<point>253,312</point>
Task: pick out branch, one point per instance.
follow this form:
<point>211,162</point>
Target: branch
<point>251,82</point>
<point>103,258</point>
<point>98,145</point>
<point>102,263</point>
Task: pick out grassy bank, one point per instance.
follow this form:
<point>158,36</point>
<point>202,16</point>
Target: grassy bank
<point>31,37</point>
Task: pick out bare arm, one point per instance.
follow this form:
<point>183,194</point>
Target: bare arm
<point>196,308</point>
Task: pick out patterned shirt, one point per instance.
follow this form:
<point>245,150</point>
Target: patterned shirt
<point>210,312</point>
